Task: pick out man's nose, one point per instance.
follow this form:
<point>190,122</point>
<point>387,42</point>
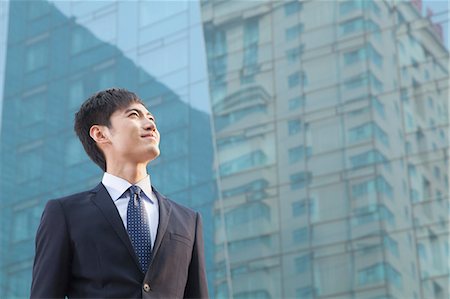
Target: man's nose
<point>150,125</point>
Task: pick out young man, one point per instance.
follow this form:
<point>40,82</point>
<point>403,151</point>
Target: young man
<point>122,239</point>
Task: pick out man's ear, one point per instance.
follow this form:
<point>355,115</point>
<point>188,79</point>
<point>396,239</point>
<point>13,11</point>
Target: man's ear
<point>99,134</point>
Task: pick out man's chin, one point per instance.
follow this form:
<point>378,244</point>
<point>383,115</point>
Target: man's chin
<point>153,154</point>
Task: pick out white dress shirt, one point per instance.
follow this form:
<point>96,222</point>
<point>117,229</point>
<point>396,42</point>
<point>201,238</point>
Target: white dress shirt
<point>117,188</point>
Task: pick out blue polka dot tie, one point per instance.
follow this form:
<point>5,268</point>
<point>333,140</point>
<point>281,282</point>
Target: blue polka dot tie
<point>138,227</point>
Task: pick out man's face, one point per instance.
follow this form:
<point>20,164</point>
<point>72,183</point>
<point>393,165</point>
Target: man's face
<point>133,136</point>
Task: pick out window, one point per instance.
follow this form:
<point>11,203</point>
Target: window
<point>384,187</point>
<point>293,32</point>
<point>386,215</point>
<point>363,53</point>
<point>292,7</point>
<point>415,195</point>
<point>400,18</point>
<point>106,78</point>
<point>372,213</point>
<point>235,116</point>
<point>362,80</point>
<point>253,190</point>
<point>422,252</point>
<point>81,40</point>
<point>294,126</point>
<point>391,245</point>
<point>76,92</point>
<point>304,207</point>
<point>244,162</point>
<point>393,276</point>
<point>255,211</point>
<point>371,186</point>
<point>367,131</point>
<point>355,82</point>
<point>374,7</point>
<point>216,45</point>
<point>300,180</point>
<point>375,83</point>
<point>30,165</point>
<point>346,7</point>
<point>412,170</point>
<point>378,273</point>
<point>299,153</point>
<point>251,40</point>
<point>75,153</point>
<point>372,274</point>
<point>367,158</point>
<point>303,263</point>
<point>379,107</point>
<point>374,55</point>
<point>37,55</point>
<point>298,208</point>
<point>352,26</point>
<point>374,29</point>
<point>294,54</point>
<point>363,189</point>
<point>305,293</point>
<point>408,147</point>
<point>296,102</point>
<point>300,235</point>
<point>437,172</point>
<point>296,79</point>
<point>256,244</point>
<point>295,154</point>
<point>36,104</point>
<point>438,195</point>
<point>22,227</point>
<point>258,294</point>
<point>38,9</point>
<point>231,141</point>
<point>354,56</point>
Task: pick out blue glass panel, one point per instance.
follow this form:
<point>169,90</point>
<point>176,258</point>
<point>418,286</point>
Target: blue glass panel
<point>292,7</point>
<point>300,180</point>
<point>303,263</point>
<point>293,32</point>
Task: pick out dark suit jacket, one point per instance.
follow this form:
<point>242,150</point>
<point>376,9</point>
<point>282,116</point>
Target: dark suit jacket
<point>83,251</point>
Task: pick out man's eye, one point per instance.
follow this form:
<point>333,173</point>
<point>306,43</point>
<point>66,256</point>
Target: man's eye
<point>134,114</point>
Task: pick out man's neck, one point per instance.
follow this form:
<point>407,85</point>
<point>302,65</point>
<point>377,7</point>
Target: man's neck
<point>131,173</point>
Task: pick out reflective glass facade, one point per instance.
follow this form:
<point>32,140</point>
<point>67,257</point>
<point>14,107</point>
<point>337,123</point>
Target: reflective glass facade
<point>331,130</point>
<point>59,53</point>
<point>313,136</point>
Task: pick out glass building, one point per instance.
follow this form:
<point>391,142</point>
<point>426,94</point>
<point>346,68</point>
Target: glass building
<point>59,53</point>
<point>313,136</point>
<point>331,130</point>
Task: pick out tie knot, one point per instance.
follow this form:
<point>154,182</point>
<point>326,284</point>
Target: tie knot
<point>135,190</point>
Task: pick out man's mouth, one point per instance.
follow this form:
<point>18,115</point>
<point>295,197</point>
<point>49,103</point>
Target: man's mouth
<point>150,136</point>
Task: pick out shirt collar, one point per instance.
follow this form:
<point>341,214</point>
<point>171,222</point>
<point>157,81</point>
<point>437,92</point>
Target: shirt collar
<point>117,186</point>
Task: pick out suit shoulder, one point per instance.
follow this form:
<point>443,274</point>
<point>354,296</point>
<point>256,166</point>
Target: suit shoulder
<point>175,205</point>
<point>181,208</point>
<point>74,198</point>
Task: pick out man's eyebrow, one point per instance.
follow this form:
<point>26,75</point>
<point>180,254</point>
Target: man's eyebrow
<point>139,112</point>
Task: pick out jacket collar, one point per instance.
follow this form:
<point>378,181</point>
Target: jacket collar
<point>103,201</point>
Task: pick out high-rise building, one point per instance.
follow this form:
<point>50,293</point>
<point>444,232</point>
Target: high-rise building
<point>331,129</point>
<point>58,54</point>
<point>313,136</point>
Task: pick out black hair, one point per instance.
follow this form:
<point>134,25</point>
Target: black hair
<point>97,110</point>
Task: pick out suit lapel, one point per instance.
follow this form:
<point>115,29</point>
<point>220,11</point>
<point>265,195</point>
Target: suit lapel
<point>104,202</point>
<point>165,210</point>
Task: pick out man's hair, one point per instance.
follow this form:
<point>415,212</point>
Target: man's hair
<point>97,110</point>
